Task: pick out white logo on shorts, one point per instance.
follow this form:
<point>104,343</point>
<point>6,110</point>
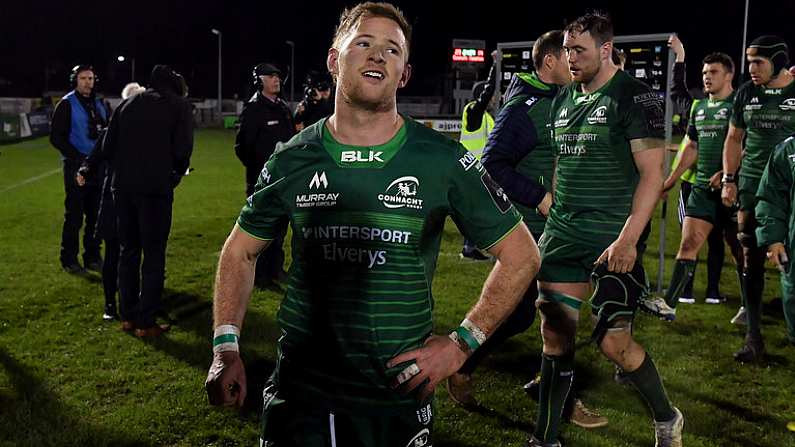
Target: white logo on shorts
<point>422,439</point>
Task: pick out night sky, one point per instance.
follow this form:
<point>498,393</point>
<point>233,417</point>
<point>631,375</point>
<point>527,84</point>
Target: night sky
<point>41,40</point>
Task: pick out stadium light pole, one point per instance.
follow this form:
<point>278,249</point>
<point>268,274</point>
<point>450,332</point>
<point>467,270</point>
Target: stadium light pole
<point>745,41</point>
<point>292,69</point>
<point>218,33</point>
<point>121,58</point>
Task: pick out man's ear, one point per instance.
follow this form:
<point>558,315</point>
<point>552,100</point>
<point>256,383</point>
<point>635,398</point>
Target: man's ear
<point>549,61</point>
<point>404,79</point>
<point>332,62</point>
<point>607,50</point>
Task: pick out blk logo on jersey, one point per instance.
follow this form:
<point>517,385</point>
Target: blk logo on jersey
<point>598,116</point>
<point>318,181</point>
<point>722,114</point>
<point>401,193</point>
<point>359,156</point>
<point>787,105</point>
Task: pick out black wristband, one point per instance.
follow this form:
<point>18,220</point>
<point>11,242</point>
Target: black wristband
<point>728,178</point>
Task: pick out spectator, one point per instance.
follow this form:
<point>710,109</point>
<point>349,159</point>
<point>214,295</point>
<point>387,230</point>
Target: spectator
<point>148,143</point>
<point>106,228</point>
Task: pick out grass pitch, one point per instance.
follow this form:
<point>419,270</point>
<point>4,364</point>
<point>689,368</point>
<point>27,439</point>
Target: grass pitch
<point>69,379</point>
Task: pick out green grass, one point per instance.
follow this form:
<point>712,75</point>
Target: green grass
<point>67,378</point>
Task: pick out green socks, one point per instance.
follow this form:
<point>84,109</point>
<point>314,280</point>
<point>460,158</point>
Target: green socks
<point>683,273</point>
<point>647,381</point>
<point>557,373</point>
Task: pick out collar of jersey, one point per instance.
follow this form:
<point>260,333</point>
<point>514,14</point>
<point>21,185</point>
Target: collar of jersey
<point>718,102</point>
<point>579,95</point>
<point>349,156</point>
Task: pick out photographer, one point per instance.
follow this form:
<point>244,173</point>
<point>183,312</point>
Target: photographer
<point>78,120</point>
<point>317,103</point>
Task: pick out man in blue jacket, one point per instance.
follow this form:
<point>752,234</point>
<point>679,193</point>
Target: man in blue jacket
<point>76,124</point>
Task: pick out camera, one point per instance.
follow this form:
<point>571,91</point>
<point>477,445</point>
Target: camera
<point>315,83</point>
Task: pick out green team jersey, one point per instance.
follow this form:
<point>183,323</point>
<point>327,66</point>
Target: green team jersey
<point>776,199</point>
<point>596,176</point>
<point>768,117</point>
<point>539,164</point>
<point>708,125</point>
<point>367,223</point>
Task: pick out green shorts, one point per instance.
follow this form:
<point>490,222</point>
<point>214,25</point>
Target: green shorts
<point>564,261</point>
<point>746,192</point>
<point>706,204</point>
<point>286,424</point>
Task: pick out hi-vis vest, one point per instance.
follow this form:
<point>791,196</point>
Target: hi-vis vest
<point>475,141</point>
<point>688,176</point>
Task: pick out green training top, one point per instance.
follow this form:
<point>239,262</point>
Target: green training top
<point>775,198</point>
<point>596,174</point>
<point>768,117</point>
<point>708,125</point>
<point>367,223</point>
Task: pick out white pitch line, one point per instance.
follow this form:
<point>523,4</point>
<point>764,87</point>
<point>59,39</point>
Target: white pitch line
<point>31,180</point>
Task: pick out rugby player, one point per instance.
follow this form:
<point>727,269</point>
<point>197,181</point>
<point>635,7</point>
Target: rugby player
<point>762,117</point>
<point>706,132</point>
<point>608,128</point>
<point>520,157</point>
<point>367,192</point>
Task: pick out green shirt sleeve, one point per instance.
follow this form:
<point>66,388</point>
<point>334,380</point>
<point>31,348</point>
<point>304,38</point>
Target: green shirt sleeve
<point>644,114</point>
<point>264,213</point>
<point>738,120</point>
<point>692,132</point>
<point>479,206</point>
<point>773,206</point>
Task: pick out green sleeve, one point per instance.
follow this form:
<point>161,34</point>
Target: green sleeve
<point>773,205</point>
<point>644,115</point>
<point>264,213</point>
<point>479,206</point>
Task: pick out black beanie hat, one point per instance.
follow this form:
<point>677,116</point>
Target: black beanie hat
<point>165,80</point>
<point>773,48</point>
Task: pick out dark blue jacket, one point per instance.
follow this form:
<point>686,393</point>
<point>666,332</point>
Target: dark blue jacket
<point>515,135</point>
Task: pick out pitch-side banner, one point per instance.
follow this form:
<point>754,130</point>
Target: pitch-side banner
<point>39,123</point>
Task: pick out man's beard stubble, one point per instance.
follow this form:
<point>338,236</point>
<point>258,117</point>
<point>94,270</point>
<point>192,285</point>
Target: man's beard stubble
<point>352,94</point>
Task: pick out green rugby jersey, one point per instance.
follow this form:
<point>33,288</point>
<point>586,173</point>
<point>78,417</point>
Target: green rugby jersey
<point>768,117</point>
<point>540,162</point>
<point>708,125</point>
<point>596,176</point>
<point>367,223</point>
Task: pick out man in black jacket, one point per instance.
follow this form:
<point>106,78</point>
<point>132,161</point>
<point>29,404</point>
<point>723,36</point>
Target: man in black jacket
<point>76,124</point>
<point>266,120</point>
<point>149,143</point>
